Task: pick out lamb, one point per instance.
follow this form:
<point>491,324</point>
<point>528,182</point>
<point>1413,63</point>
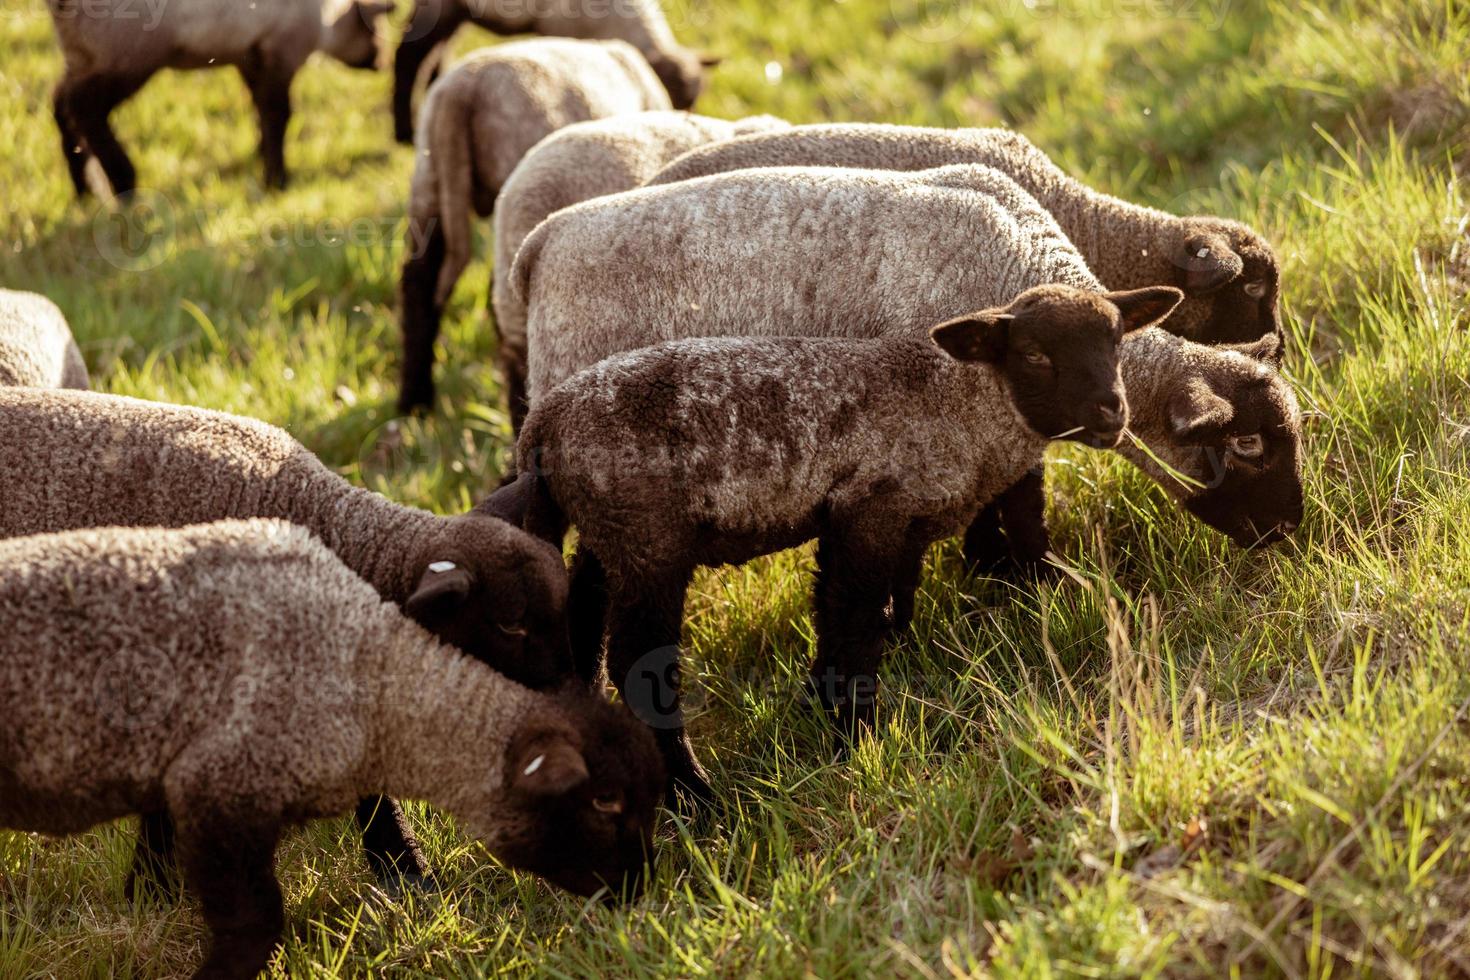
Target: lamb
<point>240,676</point>
<point>36,345</point>
<point>706,452</point>
<point>639,22</point>
<point>715,256</point>
<point>478,122</point>
<point>1229,274</point>
<point>580,162</point>
<point>82,459</point>
<point>113,47</point>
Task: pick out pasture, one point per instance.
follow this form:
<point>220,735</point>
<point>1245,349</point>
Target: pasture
<point>1182,759</point>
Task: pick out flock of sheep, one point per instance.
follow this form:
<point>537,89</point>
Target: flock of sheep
<point>719,339</point>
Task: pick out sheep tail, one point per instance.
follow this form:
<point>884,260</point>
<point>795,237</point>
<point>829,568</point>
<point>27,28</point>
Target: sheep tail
<point>448,143</point>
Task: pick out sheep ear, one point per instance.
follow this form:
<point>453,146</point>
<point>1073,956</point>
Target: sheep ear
<point>1208,261</point>
<point>442,588</point>
<point>1141,308</point>
<point>1268,350</point>
<point>1196,407</point>
<point>511,502</point>
<point>982,336</point>
<point>546,764</point>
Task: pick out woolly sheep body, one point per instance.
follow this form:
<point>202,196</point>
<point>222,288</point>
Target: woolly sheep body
<point>1127,246</point>
<point>581,162</point>
<point>36,345</point>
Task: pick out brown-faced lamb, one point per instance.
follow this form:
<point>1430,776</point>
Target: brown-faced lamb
<point>849,253</point>
<point>477,123</point>
<point>36,346</point>
<point>641,23</point>
<point>1229,273</point>
<point>706,452</point>
<point>72,460</point>
<point>112,48</point>
<point>575,164</point>
<point>242,678</point>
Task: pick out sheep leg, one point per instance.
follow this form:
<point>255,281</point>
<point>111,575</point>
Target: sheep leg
<point>429,30</point>
<point>270,89</point>
<point>643,663</point>
<point>587,614</point>
<point>420,313</point>
<point>91,101</point>
<point>856,574</point>
<point>153,856</point>
<point>229,864</point>
<point>906,583</point>
<point>1021,547</point>
<point>73,143</point>
<point>392,850</point>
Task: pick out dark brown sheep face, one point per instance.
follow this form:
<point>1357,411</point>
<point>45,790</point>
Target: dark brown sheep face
<point>1231,283</point>
<point>498,594</point>
<point>682,74</point>
<point>1238,434</point>
<point>355,37</point>
<point>581,795</point>
<point>1058,349</point>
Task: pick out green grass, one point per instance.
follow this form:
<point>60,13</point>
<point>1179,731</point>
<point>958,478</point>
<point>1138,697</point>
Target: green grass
<point>1184,761</point>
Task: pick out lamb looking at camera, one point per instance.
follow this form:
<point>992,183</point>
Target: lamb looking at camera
<point>241,677</point>
<point>36,345</point>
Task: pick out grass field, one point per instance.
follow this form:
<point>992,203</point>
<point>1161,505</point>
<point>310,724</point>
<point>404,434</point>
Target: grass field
<point>1185,760</point>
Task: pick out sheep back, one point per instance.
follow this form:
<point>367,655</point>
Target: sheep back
<point>36,345</point>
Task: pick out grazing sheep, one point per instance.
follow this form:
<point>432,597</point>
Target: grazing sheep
<point>641,23</point>
<point>575,164</point>
<point>715,451</point>
<point>112,47</point>
<point>82,459</point>
<point>36,345</point>
<point>1229,273</point>
<point>241,677</point>
<point>478,122</point>
<point>844,253</point>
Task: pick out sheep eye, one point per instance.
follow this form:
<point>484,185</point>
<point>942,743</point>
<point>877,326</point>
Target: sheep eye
<point>1256,289</point>
<point>1037,357</point>
<point>607,804</point>
<point>509,630</point>
<point>1247,447</point>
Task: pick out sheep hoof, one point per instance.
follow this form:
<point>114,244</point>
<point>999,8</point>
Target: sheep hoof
<point>398,886</point>
<point>156,886</point>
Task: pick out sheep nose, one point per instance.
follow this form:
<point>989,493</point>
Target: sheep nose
<point>1110,408</point>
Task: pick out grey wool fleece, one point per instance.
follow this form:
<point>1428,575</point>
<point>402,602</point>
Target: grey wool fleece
<point>785,251</point>
<point>763,437</point>
<point>36,345</point>
<point>482,117</point>
<point>1228,272</point>
<point>82,459</point>
<point>576,164</point>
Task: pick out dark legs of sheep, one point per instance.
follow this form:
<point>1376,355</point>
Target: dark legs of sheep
<point>587,614</point>
<point>229,865</point>
<point>153,856</point>
<point>855,581</point>
<point>86,103</point>
<point>906,584</point>
<point>270,88</point>
<point>430,29</point>
<point>73,145</point>
<point>643,662</point>
<point>1021,549</point>
<point>420,313</point>
<point>392,850</point>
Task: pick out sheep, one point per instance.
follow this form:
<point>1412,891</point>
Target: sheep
<point>831,252</point>
<point>639,22</point>
<point>240,676</point>
<point>36,345</point>
<point>112,47</point>
<point>478,121</point>
<point>714,451</point>
<point>582,161</point>
<point>1228,272</point>
<point>84,459</point>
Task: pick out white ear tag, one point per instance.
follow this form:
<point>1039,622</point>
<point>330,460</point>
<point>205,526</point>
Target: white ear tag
<point>1202,253</point>
<point>535,764</point>
<point>442,566</point>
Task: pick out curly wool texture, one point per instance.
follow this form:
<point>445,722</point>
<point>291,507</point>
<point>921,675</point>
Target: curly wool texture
<point>74,460</point>
<point>784,251</point>
<point>1127,246</point>
<point>581,162</point>
<point>482,117</point>
<point>730,448</point>
<point>243,659</point>
<point>36,345</point>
